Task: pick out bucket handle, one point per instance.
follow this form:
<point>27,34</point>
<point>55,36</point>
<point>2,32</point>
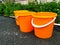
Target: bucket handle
<point>42,25</point>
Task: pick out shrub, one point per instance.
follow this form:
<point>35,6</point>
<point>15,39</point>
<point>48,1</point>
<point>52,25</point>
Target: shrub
<point>2,9</point>
<point>8,8</point>
<point>31,6</point>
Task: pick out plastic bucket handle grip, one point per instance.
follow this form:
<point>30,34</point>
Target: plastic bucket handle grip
<point>42,25</point>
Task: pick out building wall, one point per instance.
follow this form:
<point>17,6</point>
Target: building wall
<point>43,1</point>
<point>21,1</point>
<point>37,0</point>
<point>26,1</point>
<point>31,0</point>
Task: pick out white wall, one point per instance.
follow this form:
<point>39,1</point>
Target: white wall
<point>21,1</point>
<point>44,1</point>
<point>26,1</point>
<point>49,0</point>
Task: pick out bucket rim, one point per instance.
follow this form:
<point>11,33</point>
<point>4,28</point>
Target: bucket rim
<point>23,13</point>
<point>44,15</point>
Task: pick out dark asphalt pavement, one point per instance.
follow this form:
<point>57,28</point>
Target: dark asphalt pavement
<point>10,35</point>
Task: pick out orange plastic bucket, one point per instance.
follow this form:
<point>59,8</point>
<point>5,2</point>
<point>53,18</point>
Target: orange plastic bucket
<point>17,13</point>
<point>17,21</point>
<point>43,23</point>
<point>24,20</point>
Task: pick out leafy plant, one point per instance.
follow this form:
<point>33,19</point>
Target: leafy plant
<point>17,6</point>
<point>7,9</point>
<point>31,6</point>
<point>2,9</point>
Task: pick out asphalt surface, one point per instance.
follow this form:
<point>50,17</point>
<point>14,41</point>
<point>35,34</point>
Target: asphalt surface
<point>11,35</point>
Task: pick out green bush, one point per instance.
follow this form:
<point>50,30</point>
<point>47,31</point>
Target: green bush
<point>17,6</point>
<point>31,6</point>
<point>8,8</point>
<point>2,9</point>
<point>58,12</point>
